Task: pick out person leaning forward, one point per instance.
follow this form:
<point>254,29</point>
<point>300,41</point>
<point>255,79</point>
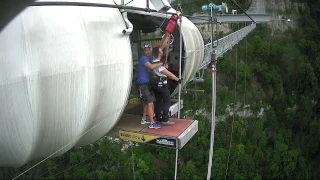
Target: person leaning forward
<point>143,81</point>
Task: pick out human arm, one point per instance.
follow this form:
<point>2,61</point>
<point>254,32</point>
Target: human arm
<point>164,42</point>
<point>152,66</point>
<point>169,75</point>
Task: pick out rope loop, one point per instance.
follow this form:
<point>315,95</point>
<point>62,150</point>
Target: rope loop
<point>179,10</point>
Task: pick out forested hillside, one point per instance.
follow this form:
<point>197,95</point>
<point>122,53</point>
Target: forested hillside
<point>277,75</point>
<point>268,95</point>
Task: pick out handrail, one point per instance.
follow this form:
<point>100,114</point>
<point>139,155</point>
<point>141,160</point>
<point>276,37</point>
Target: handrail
<point>226,43</point>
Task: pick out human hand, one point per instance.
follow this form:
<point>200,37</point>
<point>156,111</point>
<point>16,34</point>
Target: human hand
<point>179,80</point>
<point>166,35</point>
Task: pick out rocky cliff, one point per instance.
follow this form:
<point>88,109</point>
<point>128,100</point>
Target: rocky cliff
<point>283,15</point>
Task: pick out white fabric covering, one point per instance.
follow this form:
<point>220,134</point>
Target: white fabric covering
<point>141,4</point>
<point>63,70</point>
<point>194,51</point>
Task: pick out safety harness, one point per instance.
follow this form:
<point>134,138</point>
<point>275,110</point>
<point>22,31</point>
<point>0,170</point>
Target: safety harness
<point>156,79</point>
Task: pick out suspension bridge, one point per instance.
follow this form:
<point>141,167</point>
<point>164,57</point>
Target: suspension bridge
<point>256,12</point>
<point>174,138</point>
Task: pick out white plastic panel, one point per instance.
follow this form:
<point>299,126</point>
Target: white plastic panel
<point>131,3</point>
<point>80,1</point>
<point>194,51</point>
<point>142,4</point>
<point>64,71</point>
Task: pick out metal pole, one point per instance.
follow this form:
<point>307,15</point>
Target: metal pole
<point>176,166</point>
<point>148,4</point>
<point>211,29</point>
<point>193,90</point>
<point>179,105</point>
<point>179,99</point>
<point>213,62</point>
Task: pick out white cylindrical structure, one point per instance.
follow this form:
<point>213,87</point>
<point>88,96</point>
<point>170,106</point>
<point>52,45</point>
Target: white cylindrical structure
<point>64,70</point>
<point>193,51</point>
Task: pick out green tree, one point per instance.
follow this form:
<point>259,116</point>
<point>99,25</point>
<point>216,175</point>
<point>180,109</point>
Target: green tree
<point>189,171</point>
<point>219,163</point>
<point>306,80</point>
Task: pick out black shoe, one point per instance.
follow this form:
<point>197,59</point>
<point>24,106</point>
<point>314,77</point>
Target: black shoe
<point>168,123</point>
<point>158,118</point>
<point>165,121</point>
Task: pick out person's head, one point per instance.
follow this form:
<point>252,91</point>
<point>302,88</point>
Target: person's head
<point>157,52</point>
<point>146,50</point>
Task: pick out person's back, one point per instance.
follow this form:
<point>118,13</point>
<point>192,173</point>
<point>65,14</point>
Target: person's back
<point>158,70</point>
<point>161,78</point>
<point>161,89</point>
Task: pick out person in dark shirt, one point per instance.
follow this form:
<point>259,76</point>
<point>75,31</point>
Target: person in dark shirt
<point>161,88</point>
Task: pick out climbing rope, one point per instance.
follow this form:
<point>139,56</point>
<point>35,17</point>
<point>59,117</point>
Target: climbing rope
<point>234,104</point>
<point>213,111</point>
<point>245,91</point>
<point>75,164</point>
<point>68,143</point>
<point>163,22</point>
<point>134,174</point>
<point>245,74</point>
<point>179,7</point>
<point>128,2</point>
<point>59,165</point>
<point>168,45</point>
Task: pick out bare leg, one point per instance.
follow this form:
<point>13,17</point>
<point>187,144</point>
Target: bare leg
<point>145,110</point>
<point>150,112</point>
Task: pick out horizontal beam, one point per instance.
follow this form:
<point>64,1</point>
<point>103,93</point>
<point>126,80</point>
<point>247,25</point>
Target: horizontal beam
<point>230,18</point>
<point>193,90</point>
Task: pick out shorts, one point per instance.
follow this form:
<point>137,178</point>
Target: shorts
<point>145,93</point>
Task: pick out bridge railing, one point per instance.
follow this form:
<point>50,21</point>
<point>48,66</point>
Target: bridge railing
<point>226,43</point>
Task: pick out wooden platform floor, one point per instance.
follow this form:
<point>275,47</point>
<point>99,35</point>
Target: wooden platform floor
<point>173,136</point>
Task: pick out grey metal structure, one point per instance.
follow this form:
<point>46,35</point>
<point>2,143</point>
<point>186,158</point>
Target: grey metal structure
<point>230,18</point>
<point>256,11</point>
<point>221,46</point>
<point>226,43</point>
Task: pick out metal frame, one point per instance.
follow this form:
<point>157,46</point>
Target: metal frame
<point>226,43</point>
